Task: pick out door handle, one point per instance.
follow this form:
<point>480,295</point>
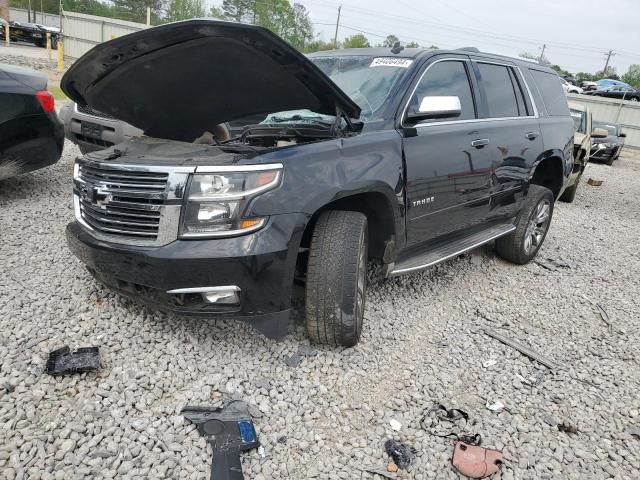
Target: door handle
<point>480,142</point>
<point>531,135</point>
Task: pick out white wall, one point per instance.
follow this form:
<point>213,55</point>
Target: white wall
<point>626,113</point>
<point>20,15</point>
<point>82,32</point>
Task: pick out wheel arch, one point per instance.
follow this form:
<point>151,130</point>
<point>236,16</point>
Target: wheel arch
<point>549,172</point>
<point>381,219</point>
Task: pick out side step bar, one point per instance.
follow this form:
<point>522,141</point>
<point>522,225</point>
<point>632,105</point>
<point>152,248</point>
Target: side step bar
<point>440,253</point>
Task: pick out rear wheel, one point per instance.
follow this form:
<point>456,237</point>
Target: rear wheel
<point>523,244</point>
<point>337,278</point>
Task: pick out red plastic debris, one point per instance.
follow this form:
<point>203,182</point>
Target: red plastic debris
<point>475,461</point>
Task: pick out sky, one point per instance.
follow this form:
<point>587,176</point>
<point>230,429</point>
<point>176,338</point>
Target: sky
<point>577,33</point>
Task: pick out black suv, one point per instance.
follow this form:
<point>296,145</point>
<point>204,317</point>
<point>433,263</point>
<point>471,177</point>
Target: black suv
<point>405,156</point>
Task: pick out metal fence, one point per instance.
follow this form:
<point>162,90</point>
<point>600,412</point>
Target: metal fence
<point>82,32</point>
<point>48,19</point>
<point>626,113</point>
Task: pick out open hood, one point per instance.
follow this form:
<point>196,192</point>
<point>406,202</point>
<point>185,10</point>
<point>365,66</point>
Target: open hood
<point>179,80</point>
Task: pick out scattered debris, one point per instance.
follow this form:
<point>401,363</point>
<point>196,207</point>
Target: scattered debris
<point>524,350</point>
<point>604,316</point>
<point>399,452</point>
<point>395,424</point>
<point>261,452</point>
<point>254,411</point>
<point>282,439</point>
<point>441,421</point>
<point>603,313</point>
<point>551,264</point>
<point>475,461</point>
<point>229,430</point>
<point>303,351</point>
<point>383,472</point>
<point>65,362</point>
<point>496,406</point>
<point>567,428</point>
<point>634,432</point>
<point>594,183</point>
<point>551,420</point>
<point>489,363</point>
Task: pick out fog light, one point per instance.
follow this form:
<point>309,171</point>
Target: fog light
<point>229,297</point>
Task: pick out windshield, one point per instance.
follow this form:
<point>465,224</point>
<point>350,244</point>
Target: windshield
<point>367,80</point>
<point>579,120</point>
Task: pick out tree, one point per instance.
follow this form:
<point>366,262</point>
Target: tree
<point>632,77</point>
<point>216,12</point>
<point>302,27</point>
<point>239,10</point>
<point>318,46</point>
<point>136,10</point>
<point>412,45</point>
<point>585,77</point>
<point>184,10</point>
<point>390,41</point>
<point>356,41</point>
<point>541,59</point>
<point>561,71</point>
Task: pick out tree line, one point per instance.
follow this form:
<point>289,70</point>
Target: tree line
<point>289,21</point>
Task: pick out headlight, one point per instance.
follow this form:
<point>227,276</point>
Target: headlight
<point>216,201</point>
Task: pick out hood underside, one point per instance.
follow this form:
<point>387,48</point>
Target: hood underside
<point>179,80</point>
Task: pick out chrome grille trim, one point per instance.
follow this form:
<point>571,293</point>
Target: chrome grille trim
<point>127,204</point>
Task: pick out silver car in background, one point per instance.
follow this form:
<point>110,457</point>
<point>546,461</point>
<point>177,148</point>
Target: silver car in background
<point>92,130</point>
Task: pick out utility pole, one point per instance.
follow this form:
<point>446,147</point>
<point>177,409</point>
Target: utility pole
<point>609,54</point>
<point>335,37</point>
<point>544,47</point>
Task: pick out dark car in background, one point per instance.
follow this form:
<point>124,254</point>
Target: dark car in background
<point>408,157</point>
<point>31,134</point>
<point>619,92</point>
<point>31,33</point>
<point>607,149</point>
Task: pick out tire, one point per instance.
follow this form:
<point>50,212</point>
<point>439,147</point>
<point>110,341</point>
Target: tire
<point>522,245</point>
<point>569,194</point>
<point>337,278</point>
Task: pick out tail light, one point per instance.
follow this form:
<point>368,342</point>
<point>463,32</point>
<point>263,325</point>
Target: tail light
<point>45,99</point>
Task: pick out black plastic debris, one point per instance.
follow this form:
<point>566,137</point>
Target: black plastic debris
<point>65,362</point>
<point>229,430</point>
<point>399,452</point>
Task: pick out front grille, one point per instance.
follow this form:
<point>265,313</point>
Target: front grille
<point>87,110</point>
<point>94,141</point>
<point>121,202</point>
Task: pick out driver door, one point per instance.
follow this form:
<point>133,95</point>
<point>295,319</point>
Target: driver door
<point>448,160</point>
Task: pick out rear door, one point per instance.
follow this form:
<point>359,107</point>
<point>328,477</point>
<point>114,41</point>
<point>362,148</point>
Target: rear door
<point>447,161</point>
<point>510,120</point>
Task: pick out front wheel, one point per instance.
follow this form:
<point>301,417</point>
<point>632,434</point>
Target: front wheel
<point>531,228</point>
<point>337,278</point>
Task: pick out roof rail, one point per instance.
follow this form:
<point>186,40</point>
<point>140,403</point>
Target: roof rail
<point>469,49</point>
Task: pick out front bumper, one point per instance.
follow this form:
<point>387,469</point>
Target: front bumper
<point>604,153</point>
<point>261,264</point>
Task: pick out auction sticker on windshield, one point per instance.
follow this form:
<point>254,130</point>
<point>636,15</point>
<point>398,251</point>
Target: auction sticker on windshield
<point>391,62</point>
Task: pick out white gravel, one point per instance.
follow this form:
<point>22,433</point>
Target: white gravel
<point>328,417</point>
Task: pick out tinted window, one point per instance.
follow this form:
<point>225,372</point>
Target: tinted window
<point>552,94</point>
<point>446,79</point>
<point>517,87</point>
<point>499,89</point>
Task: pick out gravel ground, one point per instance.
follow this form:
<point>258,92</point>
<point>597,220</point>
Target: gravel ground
<point>328,416</point>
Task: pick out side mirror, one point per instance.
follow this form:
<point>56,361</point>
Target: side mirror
<point>437,107</point>
<point>599,133</point>
<point>623,135</point>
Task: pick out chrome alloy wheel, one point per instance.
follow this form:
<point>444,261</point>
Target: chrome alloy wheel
<point>537,227</point>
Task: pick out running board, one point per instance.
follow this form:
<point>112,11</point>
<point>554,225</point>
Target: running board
<point>440,253</point>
